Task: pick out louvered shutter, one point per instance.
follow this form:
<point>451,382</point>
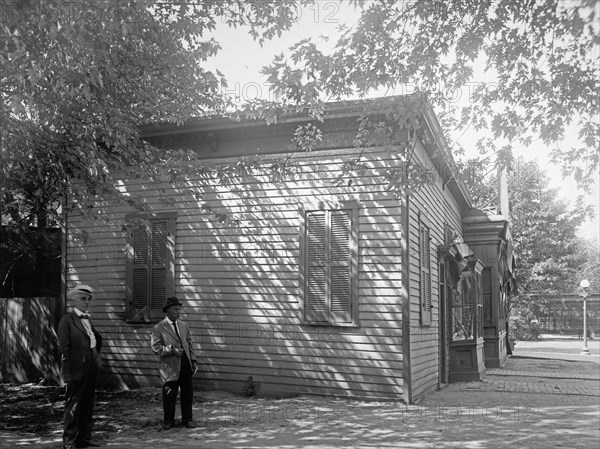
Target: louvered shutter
<point>340,267</point>
<point>316,267</point>
<point>425,271</point>
<point>158,283</point>
<point>151,268</point>
<point>140,270</point>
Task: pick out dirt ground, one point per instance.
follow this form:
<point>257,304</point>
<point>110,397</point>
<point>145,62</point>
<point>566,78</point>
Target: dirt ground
<point>530,403</point>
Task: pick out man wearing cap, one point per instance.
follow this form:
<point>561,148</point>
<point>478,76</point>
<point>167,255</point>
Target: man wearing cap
<point>79,344</point>
<point>172,341</point>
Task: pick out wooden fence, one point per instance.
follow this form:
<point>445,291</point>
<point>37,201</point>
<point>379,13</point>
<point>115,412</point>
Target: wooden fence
<point>563,314</point>
<point>28,339</point>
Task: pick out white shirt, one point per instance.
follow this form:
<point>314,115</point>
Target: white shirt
<point>87,325</point>
<point>174,324</point>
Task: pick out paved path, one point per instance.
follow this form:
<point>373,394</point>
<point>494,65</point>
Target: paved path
<point>550,388</point>
<point>564,381</point>
<point>504,372</point>
<point>559,348</point>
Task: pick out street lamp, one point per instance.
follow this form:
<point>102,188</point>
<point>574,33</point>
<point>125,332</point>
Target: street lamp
<point>585,287</point>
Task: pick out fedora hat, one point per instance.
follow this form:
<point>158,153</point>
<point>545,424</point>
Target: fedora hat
<point>172,301</point>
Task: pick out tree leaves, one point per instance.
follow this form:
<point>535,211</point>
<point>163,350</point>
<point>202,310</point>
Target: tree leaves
<point>544,229</point>
<point>80,77</point>
<point>541,61</point>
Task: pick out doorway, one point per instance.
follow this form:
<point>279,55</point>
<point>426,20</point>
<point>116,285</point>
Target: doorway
<point>443,325</point>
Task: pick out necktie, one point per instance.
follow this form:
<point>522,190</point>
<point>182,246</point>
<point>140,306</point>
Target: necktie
<point>177,332</point>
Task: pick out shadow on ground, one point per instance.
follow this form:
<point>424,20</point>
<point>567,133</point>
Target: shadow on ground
<point>456,416</point>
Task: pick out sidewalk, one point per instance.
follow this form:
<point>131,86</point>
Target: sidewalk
<point>530,403</point>
<point>553,347</point>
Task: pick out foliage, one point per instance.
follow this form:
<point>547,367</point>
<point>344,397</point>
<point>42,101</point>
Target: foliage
<point>481,181</point>
<point>524,325</point>
<point>544,229</point>
<point>31,267</point>
<point>550,254</point>
<point>590,269</point>
<point>551,257</point>
<point>78,79</point>
<point>541,54</point>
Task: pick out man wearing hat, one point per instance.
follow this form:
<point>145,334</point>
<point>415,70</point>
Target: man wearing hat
<point>79,344</point>
<point>172,341</point>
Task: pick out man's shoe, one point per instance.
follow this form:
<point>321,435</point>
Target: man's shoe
<point>190,424</point>
<point>167,425</point>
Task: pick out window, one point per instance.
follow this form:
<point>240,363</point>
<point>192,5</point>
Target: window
<point>467,304</point>
<point>150,265</point>
<point>329,264</point>
<point>486,287</point>
<point>425,271</point>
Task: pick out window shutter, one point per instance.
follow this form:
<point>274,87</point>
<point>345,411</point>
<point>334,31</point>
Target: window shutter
<point>329,263</point>
<point>425,270</point>
<point>150,268</point>
<point>316,263</point>
<point>138,269</point>
<point>158,284</point>
<point>340,267</point>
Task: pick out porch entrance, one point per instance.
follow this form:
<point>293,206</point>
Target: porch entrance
<point>444,325</point>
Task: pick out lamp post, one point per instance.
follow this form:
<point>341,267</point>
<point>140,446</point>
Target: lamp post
<point>585,287</point>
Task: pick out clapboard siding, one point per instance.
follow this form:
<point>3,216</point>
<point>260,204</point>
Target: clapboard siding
<point>280,352</point>
<point>220,338</point>
<point>369,367</point>
<point>438,205</point>
<point>240,281</point>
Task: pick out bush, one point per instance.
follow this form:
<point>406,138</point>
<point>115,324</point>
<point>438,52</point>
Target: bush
<point>524,325</point>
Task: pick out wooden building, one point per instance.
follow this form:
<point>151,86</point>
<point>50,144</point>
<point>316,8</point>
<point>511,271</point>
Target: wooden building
<point>310,271</point>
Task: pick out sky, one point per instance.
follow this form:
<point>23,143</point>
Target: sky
<point>241,60</point>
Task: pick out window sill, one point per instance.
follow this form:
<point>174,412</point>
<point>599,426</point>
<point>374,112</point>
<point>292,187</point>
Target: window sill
<point>327,324</point>
<point>141,322</point>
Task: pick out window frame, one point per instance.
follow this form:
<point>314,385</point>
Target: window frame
<point>330,207</point>
<point>149,314</point>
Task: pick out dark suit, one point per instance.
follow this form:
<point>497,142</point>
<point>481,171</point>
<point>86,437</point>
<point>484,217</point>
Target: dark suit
<point>80,368</point>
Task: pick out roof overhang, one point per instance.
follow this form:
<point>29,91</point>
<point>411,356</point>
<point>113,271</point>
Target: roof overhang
<point>339,109</point>
<point>439,152</point>
<point>445,165</point>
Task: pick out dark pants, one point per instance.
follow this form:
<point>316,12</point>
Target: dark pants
<point>169,393</point>
<point>79,403</point>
